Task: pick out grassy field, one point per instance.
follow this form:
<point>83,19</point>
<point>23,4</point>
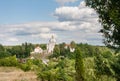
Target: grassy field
<point>15,74</point>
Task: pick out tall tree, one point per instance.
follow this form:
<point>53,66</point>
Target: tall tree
<point>109,16</point>
<point>79,65</point>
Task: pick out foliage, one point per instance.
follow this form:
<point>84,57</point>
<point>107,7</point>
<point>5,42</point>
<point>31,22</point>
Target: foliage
<point>73,44</point>
<point>17,50</point>
<point>21,51</point>
<point>109,16</point>
<point>56,52</point>
<point>3,52</point>
<point>89,65</point>
<point>2,48</point>
<point>57,71</point>
<point>9,61</point>
<point>27,48</point>
<point>26,66</point>
<point>63,51</point>
<point>79,67</point>
<point>60,50</point>
<point>43,46</point>
<point>92,63</point>
<point>102,65</point>
<point>87,50</point>
<point>98,72</point>
<point>116,66</point>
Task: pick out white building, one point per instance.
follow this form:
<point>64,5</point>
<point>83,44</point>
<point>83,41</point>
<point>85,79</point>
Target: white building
<point>72,49</point>
<point>68,46</point>
<point>51,45</point>
<point>37,50</point>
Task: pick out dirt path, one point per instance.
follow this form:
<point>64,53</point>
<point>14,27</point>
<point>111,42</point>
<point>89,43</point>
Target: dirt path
<point>15,74</point>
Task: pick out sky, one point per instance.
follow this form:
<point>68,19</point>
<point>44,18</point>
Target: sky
<point>35,21</point>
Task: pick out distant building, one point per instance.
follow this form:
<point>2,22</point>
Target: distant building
<point>37,50</point>
<point>68,46</point>
<point>51,45</point>
<point>72,49</point>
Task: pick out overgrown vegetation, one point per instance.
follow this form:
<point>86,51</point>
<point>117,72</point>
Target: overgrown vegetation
<point>90,63</point>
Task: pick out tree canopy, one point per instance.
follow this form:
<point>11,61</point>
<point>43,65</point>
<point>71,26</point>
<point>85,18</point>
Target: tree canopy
<point>109,16</point>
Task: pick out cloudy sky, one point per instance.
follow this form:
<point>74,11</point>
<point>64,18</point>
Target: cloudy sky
<point>36,21</point>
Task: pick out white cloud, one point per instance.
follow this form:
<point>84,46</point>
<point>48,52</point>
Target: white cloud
<point>64,32</point>
<point>74,13</point>
<point>83,17</point>
<point>62,2</point>
<point>77,23</point>
<point>2,35</point>
<point>12,39</point>
<point>47,35</point>
<point>44,29</point>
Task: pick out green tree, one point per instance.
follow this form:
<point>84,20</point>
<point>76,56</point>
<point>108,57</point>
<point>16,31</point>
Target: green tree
<point>43,46</point>
<point>63,51</point>
<point>109,16</point>
<point>79,67</point>
<point>73,44</point>
<point>27,48</point>
<point>56,52</point>
<point>2,48</point>
<point>116,67</point>
<point>102,65</point>
<point>3,52</point>
<point>17,50</point>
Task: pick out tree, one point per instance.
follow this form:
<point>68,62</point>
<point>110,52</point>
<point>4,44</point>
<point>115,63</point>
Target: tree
<point>102,64</point>
<point>56,52</point>
<point>116,67</point>
<point>109,16</point>
<point>27,48</point>
<point>63,51</point>
<point>17,50</point>
<point>73,44</point>
<point>79,65</point>
<point>3,52</point>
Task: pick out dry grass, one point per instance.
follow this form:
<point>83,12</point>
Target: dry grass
<point>15,74</point>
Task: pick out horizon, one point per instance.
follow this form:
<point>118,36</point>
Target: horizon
<point>36,21</point>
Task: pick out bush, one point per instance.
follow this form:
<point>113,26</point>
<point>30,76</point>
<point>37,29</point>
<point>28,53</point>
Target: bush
<point>9,61</point>
<point>4,54</point>
<point>25,67</point>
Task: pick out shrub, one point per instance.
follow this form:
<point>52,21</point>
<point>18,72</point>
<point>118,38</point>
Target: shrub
<point>9,61</point>
<point>25,67</point>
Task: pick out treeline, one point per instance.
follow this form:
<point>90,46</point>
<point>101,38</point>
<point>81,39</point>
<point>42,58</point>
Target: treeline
<point>86,49</point>
<point>21,51</point>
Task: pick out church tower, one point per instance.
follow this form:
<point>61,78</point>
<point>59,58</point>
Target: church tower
<point>51,44</point>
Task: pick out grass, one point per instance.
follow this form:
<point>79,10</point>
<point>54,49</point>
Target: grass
<point>15,74</point>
